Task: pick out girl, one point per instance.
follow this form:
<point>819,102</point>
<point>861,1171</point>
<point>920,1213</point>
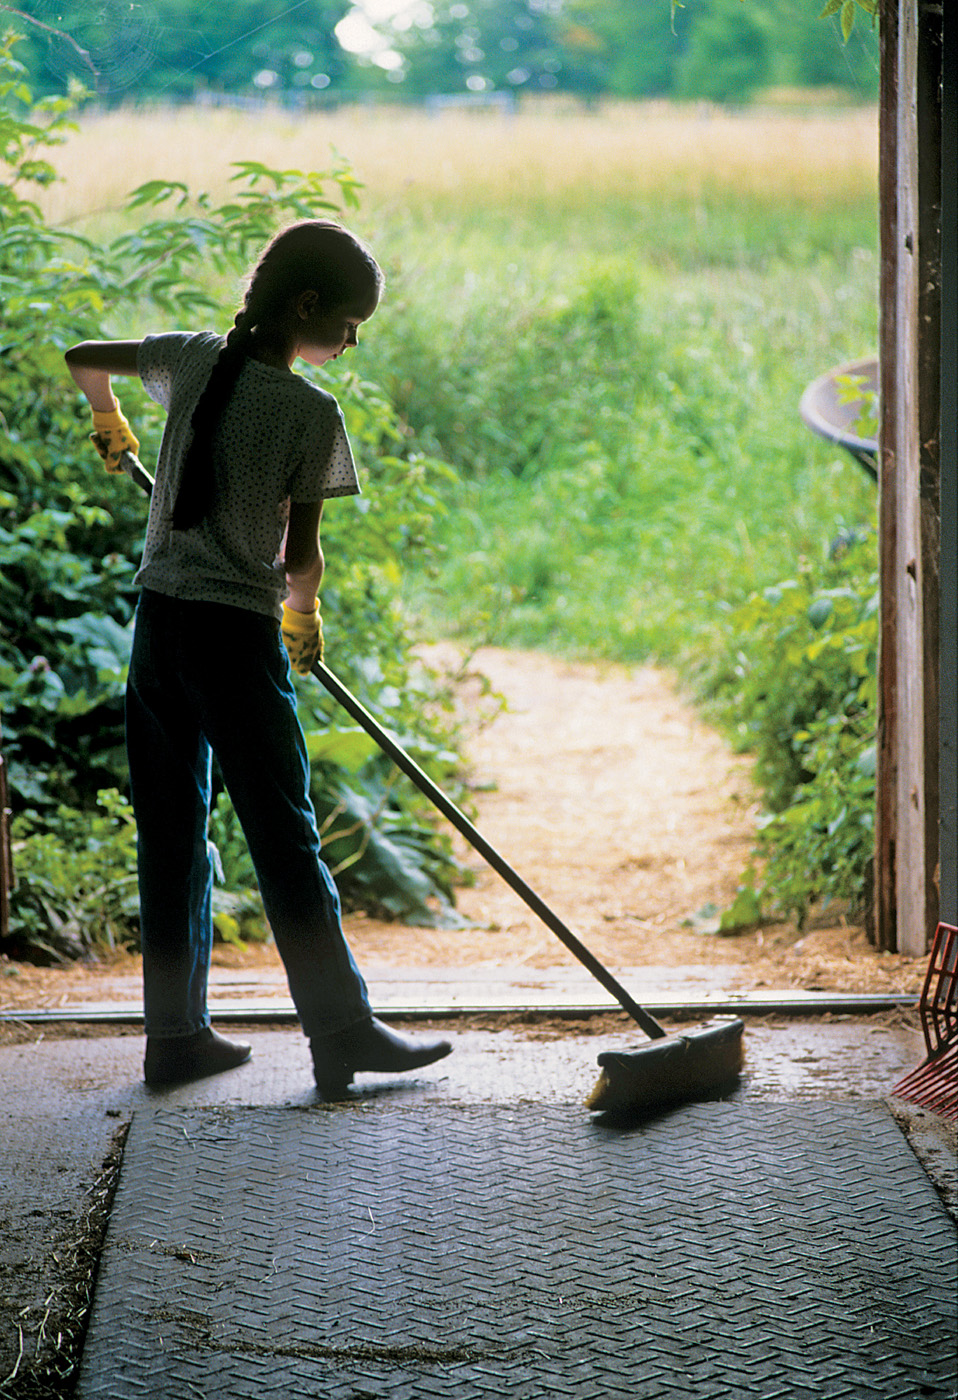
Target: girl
<point>231,569</point>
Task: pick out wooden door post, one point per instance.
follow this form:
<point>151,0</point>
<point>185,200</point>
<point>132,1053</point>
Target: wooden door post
<point>906,858</point>
<point>948,613</point>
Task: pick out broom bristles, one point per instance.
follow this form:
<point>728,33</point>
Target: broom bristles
<point>669,1071</point>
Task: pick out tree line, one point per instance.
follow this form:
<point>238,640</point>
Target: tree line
<point>313,52</point>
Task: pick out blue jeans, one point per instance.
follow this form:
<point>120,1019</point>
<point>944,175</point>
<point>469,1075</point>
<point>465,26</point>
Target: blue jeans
<point>210,679</point>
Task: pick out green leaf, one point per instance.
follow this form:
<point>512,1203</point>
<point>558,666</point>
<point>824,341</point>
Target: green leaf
<point>820,611</point>
<point>155,192</point>
<point>347,748</point>
<point>867,762</point>
<point>848,19</point>
<point>745,911</point>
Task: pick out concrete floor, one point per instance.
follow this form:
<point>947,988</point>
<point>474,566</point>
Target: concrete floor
<point>68,1095</point>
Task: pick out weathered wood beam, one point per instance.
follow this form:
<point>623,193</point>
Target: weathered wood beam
<point>948,611</point>
<point>906,861</point>
<point>886,805</point>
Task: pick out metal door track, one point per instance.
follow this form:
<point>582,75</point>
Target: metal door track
<point>281,1012</point>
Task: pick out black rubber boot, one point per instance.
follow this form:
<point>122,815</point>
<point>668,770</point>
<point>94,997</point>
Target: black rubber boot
<point>369,1045</point>
<point>182,1058</point>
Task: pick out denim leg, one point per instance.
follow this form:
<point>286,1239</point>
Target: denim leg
<point>170,782</point>
<point>259,745</point>
<point>205,676</point>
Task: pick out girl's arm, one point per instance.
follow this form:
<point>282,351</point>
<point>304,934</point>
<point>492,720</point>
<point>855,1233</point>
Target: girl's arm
<point>301,628</point>
<point>303,556</point>
<point>93,361</point>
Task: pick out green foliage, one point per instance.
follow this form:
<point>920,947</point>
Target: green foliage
<point>798,689</point>
<point>643,44</point>
<point>820,848</point>
<point>729,55</point>
<point>630,459</point>
<point>76,889</point>
<point>380,842</point>
<point>500,45</point>
<point>238,916</point>
<point>854,390</point>
<point>71,536</point>
<point>483,409</point>
<point>399,869</point>
<point>720,50</point>
<point>846,10</point>
<point>256,50</point>
<point>176,49</point>
<point>745,910</point>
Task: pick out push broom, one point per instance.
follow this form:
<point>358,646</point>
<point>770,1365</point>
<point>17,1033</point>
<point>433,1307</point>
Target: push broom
<point>670,1069</point>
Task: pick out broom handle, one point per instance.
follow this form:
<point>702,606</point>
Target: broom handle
<point>137,472</point>
<point>464,826</point>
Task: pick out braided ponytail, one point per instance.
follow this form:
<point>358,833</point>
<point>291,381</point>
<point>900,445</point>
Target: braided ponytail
<point>195,496</point>
<point>316,255</point>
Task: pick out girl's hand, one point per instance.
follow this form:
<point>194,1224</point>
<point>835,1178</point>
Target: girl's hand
<point>303,638</point>
<point>112,437</point>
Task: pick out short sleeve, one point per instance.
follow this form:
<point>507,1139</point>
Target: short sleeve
<point>324,461</point>
<point>156,361</point>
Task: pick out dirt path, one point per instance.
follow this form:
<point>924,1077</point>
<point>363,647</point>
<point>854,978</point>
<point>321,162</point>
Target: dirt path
<point>622,809</point>
<point>630,817</point>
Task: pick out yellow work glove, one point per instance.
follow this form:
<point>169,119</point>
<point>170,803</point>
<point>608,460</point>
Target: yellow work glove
<point>112,437</point>
<point>303,638</point>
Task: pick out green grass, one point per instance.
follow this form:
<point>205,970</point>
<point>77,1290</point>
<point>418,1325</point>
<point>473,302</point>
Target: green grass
<point>622,411</point>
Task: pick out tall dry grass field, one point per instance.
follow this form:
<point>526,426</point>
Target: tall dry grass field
<point>410,158</point>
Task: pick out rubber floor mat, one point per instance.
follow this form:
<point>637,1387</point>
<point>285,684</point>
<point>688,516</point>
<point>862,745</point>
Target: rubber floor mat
<point>765,1250</point>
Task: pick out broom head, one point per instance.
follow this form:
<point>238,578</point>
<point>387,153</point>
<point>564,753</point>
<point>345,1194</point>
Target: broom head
<point>670,1071</point>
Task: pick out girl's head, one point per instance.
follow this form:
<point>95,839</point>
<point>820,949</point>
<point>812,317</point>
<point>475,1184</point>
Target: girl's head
<point>314,284</point>
<point>312,287</point>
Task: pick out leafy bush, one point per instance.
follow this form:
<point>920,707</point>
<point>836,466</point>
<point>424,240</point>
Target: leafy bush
<point>76,882</point>
<point>800,693</point>
<point>820,847</point>
<point>632,465</point>
<point>71,537</point>
<point>520,412</point>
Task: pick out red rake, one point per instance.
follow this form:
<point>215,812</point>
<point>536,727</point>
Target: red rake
<point>934,1083</point>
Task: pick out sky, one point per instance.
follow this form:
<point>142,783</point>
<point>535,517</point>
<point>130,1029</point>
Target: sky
<point>357,35</point>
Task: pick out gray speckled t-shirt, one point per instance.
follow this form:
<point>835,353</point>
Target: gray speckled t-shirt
<point>281,439</point>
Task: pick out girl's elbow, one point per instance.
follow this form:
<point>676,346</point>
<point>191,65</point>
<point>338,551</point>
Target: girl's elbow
<point>86,354</point>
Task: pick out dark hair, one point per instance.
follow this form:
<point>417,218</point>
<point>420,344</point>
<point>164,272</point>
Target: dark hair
<point>315,255</point>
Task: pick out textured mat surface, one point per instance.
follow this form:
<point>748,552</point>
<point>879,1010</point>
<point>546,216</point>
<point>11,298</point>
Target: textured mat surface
<point>723,1251</point>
